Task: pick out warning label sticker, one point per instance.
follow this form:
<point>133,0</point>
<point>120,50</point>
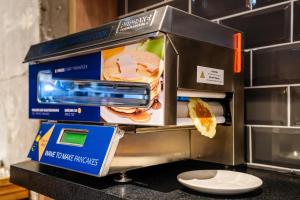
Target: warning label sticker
<point>210,75</point>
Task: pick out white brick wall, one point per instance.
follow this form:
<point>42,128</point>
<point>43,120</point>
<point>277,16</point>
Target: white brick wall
<point>19,28</point>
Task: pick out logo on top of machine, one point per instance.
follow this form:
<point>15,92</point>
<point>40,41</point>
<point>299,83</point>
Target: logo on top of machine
<point>210,75</point>
<point>136,22</point>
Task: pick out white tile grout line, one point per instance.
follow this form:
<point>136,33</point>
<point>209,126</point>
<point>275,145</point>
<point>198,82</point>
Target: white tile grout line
<point>253,10</point>
<point>264,166</point>
<point>250,143</point>
<point>273,86</point>
<point>288,105</point>
<point>271,126</point>
<point>292,22</point>
<point>251,68</point>
<point>271,46</point>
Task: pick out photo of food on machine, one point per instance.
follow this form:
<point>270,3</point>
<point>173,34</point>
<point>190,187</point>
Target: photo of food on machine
<point>139,62</point>
<point>144,62</point>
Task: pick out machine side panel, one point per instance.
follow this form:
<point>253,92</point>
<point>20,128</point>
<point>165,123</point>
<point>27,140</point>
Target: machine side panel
<point>195,56</point>
<point>152,148</point>
<point>170,78</point>
<point>238,118</point>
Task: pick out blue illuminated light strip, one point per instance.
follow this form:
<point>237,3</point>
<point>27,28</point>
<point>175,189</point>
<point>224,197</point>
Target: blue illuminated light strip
<point>95,93</point>
<point>185,99</point>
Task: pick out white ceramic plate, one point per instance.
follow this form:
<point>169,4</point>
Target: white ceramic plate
<point>222,182</point>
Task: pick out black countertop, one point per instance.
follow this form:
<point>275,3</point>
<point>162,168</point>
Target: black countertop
<point>158,182</point>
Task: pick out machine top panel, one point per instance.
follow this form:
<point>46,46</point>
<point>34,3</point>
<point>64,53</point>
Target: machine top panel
<point>165,19</point>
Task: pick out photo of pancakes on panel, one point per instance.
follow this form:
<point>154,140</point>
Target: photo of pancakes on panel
<point>139,62</point>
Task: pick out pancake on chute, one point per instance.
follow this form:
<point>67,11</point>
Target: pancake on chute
<point>202,116</point>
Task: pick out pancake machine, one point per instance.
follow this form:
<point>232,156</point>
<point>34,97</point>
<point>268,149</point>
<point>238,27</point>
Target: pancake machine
<point>121,96</point>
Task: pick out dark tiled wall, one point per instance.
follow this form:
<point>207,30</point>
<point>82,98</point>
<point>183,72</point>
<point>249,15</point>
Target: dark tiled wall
<point>295,106</point>
<point>276,146</point>
<point>261,3</point>
<point>211,9</point>
<point>271,70</point>
<point>263,27</point>
<point>267,106</point>
<point>247,63</point>
<point>297,20</point>
<point>277,65</point>
<point>134,5</point>
<point>180,4</point>
<point>272,81</point>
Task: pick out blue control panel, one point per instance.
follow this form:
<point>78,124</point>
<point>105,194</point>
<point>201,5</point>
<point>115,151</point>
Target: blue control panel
<point>78,147</point>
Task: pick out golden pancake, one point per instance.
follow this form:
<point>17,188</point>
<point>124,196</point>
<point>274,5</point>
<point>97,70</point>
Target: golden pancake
<point>202,116</point>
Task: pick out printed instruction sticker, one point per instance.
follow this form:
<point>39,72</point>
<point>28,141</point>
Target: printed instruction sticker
<point>210,75</point>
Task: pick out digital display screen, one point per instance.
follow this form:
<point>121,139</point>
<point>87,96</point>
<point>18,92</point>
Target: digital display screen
<point>73,137</point>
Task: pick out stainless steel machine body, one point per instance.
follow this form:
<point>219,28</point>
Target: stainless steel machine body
<point>190,41</point>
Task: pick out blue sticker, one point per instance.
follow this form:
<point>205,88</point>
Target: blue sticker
<point>87,158</point>
<point>87,67</point>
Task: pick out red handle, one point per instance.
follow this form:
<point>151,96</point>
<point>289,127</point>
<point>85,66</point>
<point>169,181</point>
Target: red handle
<point>237,68</point>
